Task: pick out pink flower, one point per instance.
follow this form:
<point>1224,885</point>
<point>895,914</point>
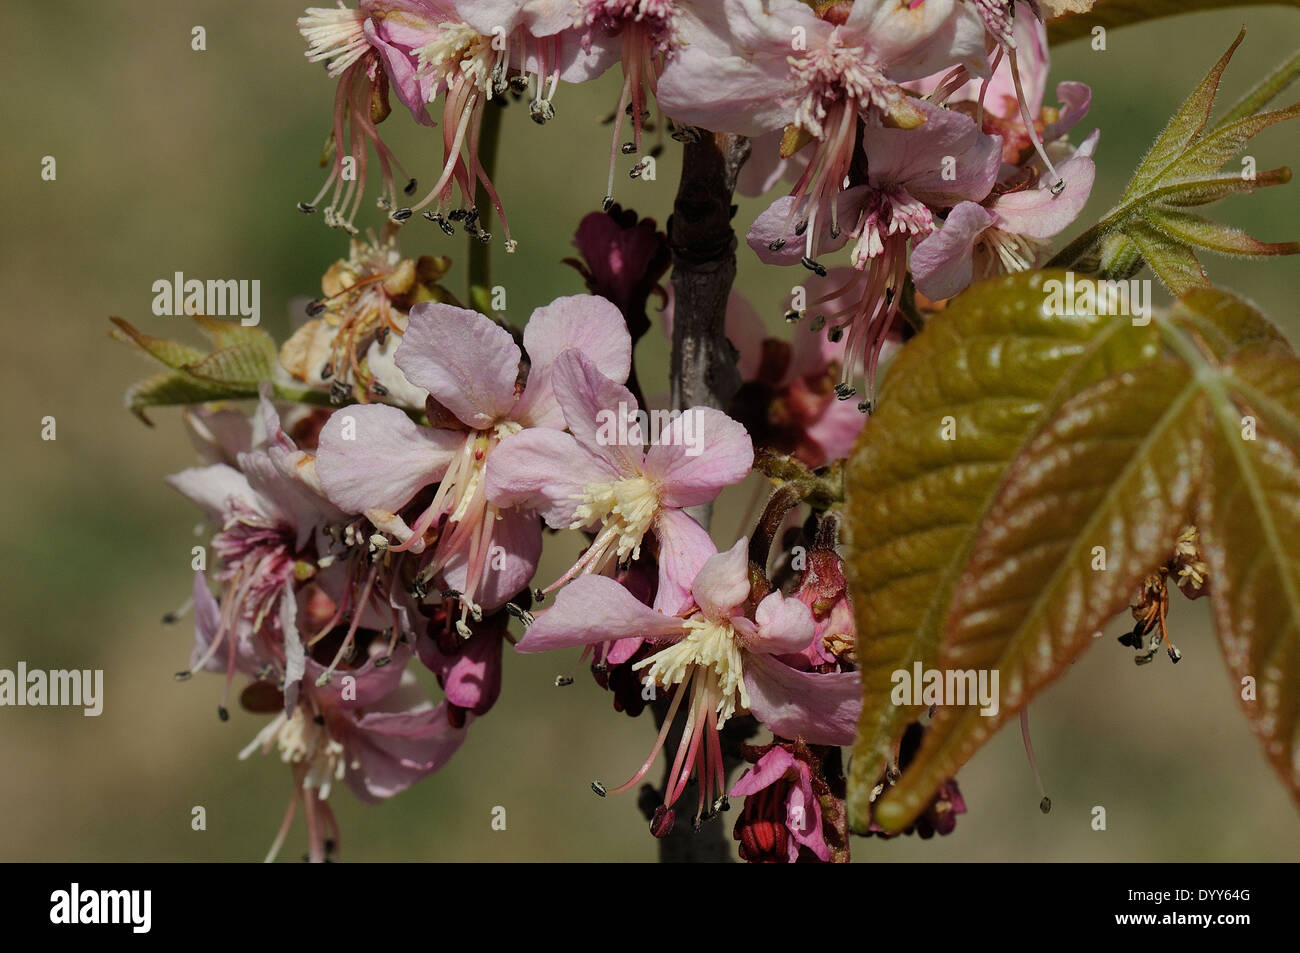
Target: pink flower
<point>371,727</point>
<point>909,173</point>
<point>337,37</point>
<point>269,511</point>
<point>429,50</point>
<point>788,401</point>
<point>599,476</point>
<point>468,670</point>
<point>1007,233</point>
<point>1014,90</point>
<point>786,67</point>
<point>782,812</point>
<point>623,258</point>
<point>716,656</point>
<point>374,460</point>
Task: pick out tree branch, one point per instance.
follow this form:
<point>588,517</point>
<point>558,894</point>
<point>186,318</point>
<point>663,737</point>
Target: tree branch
<point>703,373</point>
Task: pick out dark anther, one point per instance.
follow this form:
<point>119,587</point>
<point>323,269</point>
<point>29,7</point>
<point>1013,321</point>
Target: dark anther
<point>183,676</point>
<point>599,788</point>
<point>607,203</point>
<point>400,215</point>
<point>306,209</point>
<point>222,713</point>
<point>562,681</point>
<point>628,148</point>
<point>844,391</point>
<point>315,306</point>
<point>776,245</point>
<point>327,371</point>
<point>815,267</point>
<point>410,187</point>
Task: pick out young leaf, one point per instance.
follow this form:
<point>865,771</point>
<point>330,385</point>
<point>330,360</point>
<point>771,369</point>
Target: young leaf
<point>1249,519</point>
<point>1211,435</point>
<point>1085,512</point>
<point>987,371</point>
<point>242,357</point>
<point>1181,170</point>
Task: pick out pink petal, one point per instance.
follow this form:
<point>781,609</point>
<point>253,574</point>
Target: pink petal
<point>914,40</point>
<point>944,263</point>
<point>771,767</point>
<point>387,461</point>
<point>819,709</point>
<point>1040,214</point>
<point>588,323</point>
<point>784,626</point>
<point>723,581</point>
<point>594,609</point>
<point>1075,99</point>
<point>837,429</point>
<point>914,158</point>
<point>398,749</point>
<point>519,534</point>
<point>213,487</point>
<point>293,501</point>
<point>362,687</point>
<point>470,679</point>
<point>543,470</point>
<point>747,95</point>
<point>776,224</point>
<point>465,361</point>
<point>804,821</point>
<point>684,547</point>
<point>622,650</point>
<point>699,453</point>
<point>593,407</point>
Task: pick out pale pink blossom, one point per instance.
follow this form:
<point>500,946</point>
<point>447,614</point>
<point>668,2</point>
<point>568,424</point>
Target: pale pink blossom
<point>374,459</point>
<point>717,657</point>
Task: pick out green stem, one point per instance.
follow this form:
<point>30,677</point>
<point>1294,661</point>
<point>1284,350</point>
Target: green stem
<point>480,253</point>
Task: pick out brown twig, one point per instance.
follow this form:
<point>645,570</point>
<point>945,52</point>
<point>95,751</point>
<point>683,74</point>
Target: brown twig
<point>703,373</point>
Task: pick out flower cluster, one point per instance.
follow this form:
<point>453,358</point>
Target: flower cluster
<point>388,500</point>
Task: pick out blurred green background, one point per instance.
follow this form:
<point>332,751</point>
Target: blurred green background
<point>175,160</point>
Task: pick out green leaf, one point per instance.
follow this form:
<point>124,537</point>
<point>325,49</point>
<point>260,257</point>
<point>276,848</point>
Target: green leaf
<point>1116,13</point>
<point>1184,127</point>
<point>994,366</point>
<point>242,358</point>
<point>171,388</point>
<point>1116,469</point>
<point>1173,263</point>
<point>1249,518</point>
<point>1182,169</point>
<point>1207,434</point>
<point>1215,236</point>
